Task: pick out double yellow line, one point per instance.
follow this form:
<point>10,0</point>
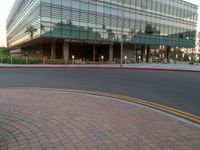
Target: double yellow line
<point>173,111</point>
<point>164,108</point>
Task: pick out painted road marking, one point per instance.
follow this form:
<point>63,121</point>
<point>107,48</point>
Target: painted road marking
<point>154,105</point>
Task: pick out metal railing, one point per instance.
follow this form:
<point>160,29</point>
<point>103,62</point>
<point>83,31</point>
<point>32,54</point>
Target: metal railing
<point>45,60</point>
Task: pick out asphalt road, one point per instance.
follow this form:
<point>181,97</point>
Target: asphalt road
<point>175,89</point>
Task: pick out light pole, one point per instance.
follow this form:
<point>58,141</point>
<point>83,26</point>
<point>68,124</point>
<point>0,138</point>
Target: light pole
<point>102,58</point>
<point>197,60</point>
<point>126,58</point>
<point>73,57</point>
<point>192,54</point>
<point>122,32</point>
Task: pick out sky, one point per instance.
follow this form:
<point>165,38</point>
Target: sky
<point>6,5</point>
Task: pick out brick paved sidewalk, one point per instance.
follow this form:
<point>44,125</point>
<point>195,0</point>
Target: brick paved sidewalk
<point>44,120</point>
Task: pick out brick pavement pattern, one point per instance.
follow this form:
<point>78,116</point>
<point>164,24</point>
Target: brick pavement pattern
<point>47,120</point>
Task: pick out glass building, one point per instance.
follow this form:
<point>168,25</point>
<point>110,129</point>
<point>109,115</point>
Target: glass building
<point>93,28</point>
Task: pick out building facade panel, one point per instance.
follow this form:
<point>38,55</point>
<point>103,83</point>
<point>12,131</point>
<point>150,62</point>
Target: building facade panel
<point>25,13</point>
<point>143,21</point>
<point>152,22</point>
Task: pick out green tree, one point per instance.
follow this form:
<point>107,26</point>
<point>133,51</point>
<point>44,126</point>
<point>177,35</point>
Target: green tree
<point>4,51</point>
<point>148,29</point>
<point>31,30</point>
<point>111,35</point>
<point>42,27</point>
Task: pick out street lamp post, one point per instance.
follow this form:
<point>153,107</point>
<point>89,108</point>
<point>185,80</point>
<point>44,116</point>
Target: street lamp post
<point>122,32</point>
<point>197,60</point>
<point>73,57</point>
<point>126,58</point>
<point>102,59</point>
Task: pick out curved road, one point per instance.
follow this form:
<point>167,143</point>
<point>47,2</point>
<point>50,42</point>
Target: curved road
<point>179,90</point>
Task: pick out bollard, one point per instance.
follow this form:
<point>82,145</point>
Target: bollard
<point>102,59</point>
<point>73,57</point>
<point>125,57</point>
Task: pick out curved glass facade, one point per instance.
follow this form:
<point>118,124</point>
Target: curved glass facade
<point>168,22</point>
<point>23,14</point>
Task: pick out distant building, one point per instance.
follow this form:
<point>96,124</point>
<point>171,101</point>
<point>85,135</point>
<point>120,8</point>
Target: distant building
<point>92,28</point>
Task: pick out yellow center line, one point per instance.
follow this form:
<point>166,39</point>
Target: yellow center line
<point>154,105</point>
<point>143,102</point>
<point>136,100</point>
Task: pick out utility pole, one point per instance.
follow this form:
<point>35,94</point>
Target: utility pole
<point>122,32</point>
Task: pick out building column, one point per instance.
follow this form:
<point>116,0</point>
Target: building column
<point>168,54</point>
<point>148,53</point>
<point>66,50</point>
<point>142,53</point>
<point>53,49</point>
<point>111,52</point>
<point>94,53</point>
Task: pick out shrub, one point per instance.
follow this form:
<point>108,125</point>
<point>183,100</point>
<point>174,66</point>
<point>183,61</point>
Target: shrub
<point>186,58</point>
<point>20,60</point>
<point>4,51</point>
<point>53,61</point>
<point>34,61</point>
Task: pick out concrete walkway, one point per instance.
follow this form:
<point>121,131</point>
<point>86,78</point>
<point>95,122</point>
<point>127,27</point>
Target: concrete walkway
<point>54,120</point>
<point>180,66</point>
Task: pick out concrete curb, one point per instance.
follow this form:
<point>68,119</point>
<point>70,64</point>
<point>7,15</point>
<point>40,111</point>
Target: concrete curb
<point>99,67</point>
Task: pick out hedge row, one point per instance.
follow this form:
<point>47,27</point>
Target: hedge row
<point>21,60</point>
